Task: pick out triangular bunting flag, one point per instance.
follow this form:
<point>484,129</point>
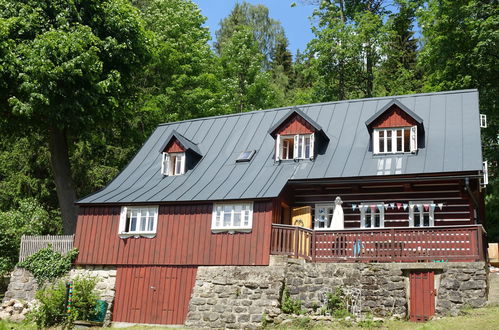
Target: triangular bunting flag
<point>426,207</point>
<point>432,207</point>
<point>440,206</point>
<point>405,206</point>
<point>399,205</point>
<point>392,206</point>
<point>373,208</point>
<point>386,207</point>
<point>354,206</point>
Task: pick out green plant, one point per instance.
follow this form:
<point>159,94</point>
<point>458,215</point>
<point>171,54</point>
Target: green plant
<point>265,322</point>
<point>290,305</point>
<point>335,303</point>
<point>304,322</point>
<point>52,309</point>
<point>368,322</point>
<point>47,264</point>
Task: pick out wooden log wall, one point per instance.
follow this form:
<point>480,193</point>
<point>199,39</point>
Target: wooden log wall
<point>457,206</point>
<point>183,237</point>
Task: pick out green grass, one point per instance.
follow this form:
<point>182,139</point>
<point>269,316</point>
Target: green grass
<point>486,318</point>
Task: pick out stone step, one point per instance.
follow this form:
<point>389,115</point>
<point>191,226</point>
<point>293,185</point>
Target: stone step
<point>493,288</point>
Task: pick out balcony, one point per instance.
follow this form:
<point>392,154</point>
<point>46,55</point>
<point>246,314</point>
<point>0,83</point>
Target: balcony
<point>429,244</point>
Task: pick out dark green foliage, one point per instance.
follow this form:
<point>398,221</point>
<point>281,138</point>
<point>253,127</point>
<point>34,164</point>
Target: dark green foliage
<point>47,264</point>
<point>28,218</point>
<point>336,303</point>
<point>52,311</point>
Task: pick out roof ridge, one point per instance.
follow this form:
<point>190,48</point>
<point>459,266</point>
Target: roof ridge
<point>460,91</point>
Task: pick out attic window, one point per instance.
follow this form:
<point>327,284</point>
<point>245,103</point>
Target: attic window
<point>395,140</point>
<point>245,156</point>
<point>298,146</point>
<point>173,163</point>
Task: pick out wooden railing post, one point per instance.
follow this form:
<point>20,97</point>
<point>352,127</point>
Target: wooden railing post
<point>297,245</point>
<point>392,244</point>
<point>313,246</point>
<point>479,233</point>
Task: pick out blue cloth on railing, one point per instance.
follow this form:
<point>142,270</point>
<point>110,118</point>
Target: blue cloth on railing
<point>357,248</point>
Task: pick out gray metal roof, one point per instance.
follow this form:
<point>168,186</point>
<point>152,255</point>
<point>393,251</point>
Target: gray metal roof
<point>452,144</point>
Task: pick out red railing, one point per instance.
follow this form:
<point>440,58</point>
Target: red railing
<point>457,243</point>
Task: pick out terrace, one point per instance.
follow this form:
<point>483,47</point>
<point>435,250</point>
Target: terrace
<point>430,244</point>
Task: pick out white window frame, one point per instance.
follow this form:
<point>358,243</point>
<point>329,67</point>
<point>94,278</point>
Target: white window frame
<point>143,214</point>
<point>483,121</point>
<point>329,210</point>
<point>218,215</point>
<point>421,211</point>
<point>394,131</point>
<point>381,210</point>
<point>299,146</point>
<point>168,167</point>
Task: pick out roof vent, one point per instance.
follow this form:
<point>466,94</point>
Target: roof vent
<point>245,156</point>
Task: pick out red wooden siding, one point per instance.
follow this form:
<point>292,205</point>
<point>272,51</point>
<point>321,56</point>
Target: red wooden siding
<point>155,295</point>
<point>394,117</point>
<point>295,125</point>
<point>174,146</point>
<point>422,296</point>
<point>183,237</point>
<point>456,210</point>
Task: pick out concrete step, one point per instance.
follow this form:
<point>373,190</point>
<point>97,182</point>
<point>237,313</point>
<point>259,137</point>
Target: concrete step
<point>493,288</point>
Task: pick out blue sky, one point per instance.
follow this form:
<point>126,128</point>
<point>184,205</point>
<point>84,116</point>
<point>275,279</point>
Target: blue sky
<point>295,20</point>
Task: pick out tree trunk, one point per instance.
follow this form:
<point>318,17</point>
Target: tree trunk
<point>369,69</point>
<point>66,195</point>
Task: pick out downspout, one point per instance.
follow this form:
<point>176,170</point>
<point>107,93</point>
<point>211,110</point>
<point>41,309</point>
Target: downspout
<point>475,202</point>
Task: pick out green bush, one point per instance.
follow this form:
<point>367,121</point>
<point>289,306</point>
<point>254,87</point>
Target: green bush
<point>46,265</point>
<point>336,304</point>
<point>52,310</point>
<point>30,218</point>
<point>290,305</point>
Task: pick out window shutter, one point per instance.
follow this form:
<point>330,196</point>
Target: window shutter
<point>183,163</point>
<point>295,147</point>
<point>122,220</point>
<point>312,146</point>
<point>414,138</point>
<point>376,142</point>
<point>277,147</point>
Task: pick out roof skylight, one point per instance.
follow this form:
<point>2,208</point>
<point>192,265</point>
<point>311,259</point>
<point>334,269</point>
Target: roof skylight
<point>245,156</point>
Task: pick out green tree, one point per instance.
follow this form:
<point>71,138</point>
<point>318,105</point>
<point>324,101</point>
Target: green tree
<point>460,43</point>
<point>68,68</point>
<point>180,83</point>
<point>268,32</point>
<point>247,86</point>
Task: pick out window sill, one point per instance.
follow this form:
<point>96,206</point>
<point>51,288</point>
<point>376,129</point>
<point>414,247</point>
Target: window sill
<point>137,235</point>
<point>230,230</point>
<point>394,153</point>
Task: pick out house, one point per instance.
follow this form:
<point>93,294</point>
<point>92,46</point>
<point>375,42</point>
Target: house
<point>233,190</point>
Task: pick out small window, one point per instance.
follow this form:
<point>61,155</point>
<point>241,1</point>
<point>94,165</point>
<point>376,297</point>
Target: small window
<point>232,217</point>
<point>395,140</point>
<point>298,146</point>
<point>483,121</point>
<point>421,214</point>
<point>323,215</point>
<point>173,163</point>
<point>138,221</point>
<point>372,215</point>
<point>245,156</point>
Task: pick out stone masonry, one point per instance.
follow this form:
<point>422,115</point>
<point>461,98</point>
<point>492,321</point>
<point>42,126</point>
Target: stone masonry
<point>238,297</point>
<point>22,285</point>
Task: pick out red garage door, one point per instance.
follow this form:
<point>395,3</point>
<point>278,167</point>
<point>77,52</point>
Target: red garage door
<point>422,296</point>
<point>156,294</point>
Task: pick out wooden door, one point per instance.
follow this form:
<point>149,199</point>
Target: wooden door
<point>422,295</point>
<point>153,294</point>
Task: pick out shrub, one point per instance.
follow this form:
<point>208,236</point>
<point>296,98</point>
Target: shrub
<point>52,311</point>
<point>336,303</point>
<point>288,304</point>
<point>46,265</point>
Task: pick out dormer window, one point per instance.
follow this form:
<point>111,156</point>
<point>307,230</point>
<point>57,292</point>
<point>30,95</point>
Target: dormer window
<point>395,140</point>
<point>395,129</point>
<point>298,146</point>
<point>178,155</point>
<point>297,136</point>
<point>173,163</point>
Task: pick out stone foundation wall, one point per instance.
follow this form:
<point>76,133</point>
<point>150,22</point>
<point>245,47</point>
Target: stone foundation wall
<point>106,283</point>
<point>238,297</point>
<point>22,286</point>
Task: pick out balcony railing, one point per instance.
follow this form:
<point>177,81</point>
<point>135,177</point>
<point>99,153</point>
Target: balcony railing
<point>429,244</point>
